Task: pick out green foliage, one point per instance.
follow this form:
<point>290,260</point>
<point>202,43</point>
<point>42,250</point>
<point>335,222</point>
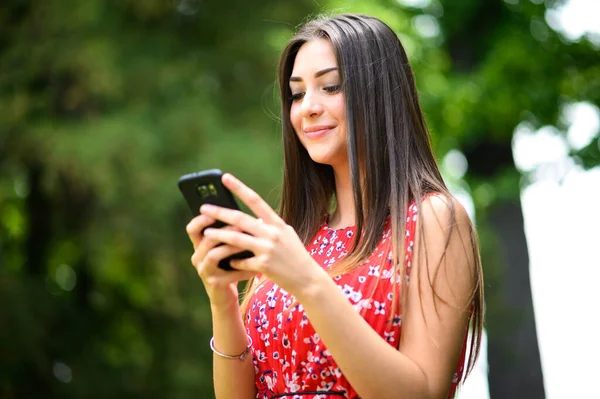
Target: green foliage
<point>103,105</point>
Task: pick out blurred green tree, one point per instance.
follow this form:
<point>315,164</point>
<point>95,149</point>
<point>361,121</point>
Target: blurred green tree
<point>102,106</point>
<point>504,66</point>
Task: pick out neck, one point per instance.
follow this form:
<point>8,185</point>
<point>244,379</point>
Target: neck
<point>343,215</point>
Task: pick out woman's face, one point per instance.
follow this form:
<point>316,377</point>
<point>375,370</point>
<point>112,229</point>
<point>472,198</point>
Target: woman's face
<point>318,112</point>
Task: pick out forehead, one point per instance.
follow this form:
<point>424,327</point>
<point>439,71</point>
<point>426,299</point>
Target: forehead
<point>314,56</point>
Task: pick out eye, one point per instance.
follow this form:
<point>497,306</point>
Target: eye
<point>332,89</point>
<point>296,96</point>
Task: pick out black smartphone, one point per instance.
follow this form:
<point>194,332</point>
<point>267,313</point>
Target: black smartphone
<point>205,187</point>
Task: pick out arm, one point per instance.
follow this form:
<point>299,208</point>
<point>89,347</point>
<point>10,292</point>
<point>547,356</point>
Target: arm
<point>432,331</point>
<point>233,378</point>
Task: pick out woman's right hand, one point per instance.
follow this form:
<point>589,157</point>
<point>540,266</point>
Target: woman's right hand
<point>220,285</point>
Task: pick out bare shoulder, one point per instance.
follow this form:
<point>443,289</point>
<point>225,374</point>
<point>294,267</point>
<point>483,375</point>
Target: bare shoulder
<point>442,212</point>
<point>446,243</point>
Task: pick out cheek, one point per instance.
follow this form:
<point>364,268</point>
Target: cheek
<point>295,117</point>
<point>339,105</point>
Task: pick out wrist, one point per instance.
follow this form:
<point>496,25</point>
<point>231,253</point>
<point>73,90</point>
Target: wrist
<point>225,306</point>
<point>223,298</point>
<point>316,286</point>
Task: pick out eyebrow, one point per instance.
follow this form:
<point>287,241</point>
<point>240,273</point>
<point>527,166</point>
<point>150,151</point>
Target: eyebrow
<point>317,74</point>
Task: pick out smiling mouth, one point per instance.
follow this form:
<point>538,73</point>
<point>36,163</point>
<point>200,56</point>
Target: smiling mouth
<point>317,132</point>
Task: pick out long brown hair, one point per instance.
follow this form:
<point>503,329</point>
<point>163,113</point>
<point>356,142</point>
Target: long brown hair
<point>391,160</point>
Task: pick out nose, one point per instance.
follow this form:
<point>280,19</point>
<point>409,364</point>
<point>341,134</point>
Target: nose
<point>311,106</point>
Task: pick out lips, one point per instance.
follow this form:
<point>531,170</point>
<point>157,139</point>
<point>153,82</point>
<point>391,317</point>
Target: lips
<point>313,132</point>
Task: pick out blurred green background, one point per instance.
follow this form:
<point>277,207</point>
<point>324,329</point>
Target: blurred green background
<point>104,104</point>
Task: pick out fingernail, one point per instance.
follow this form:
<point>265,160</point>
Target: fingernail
<point>229,176</point>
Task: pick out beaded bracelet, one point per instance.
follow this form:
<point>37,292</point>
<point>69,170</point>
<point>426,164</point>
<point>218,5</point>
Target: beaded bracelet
<point>241,356</point>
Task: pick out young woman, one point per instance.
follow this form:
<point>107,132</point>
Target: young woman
<point>365,282</point>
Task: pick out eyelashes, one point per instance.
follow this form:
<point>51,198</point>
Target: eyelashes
<point>296,96</point>
<point>332,89</point>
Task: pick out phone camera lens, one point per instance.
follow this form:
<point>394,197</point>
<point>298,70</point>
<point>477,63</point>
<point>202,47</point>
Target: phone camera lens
<point>212,189</point>
<point>203,191</point>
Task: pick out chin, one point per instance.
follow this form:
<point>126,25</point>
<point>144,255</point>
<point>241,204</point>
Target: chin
<point>326,158</point>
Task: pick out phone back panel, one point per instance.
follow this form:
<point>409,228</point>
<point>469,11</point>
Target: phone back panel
<point>206,188</point>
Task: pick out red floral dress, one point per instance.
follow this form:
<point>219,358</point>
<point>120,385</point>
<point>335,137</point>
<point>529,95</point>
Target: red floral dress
<point>290,360</point>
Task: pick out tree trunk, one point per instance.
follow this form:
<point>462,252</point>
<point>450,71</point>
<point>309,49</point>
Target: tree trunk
<point>513,353</point>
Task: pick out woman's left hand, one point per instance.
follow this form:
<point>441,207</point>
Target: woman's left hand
<point>279,254</point>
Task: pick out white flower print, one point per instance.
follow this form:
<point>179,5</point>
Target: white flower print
<point>389,336</point>
<point>325,373</point>
<point>379,307</point>
<point>362,279</point>
<point>261,356</point>
<point>337,372</point>
<point>284,364</point>
<point>265,338</point>
<point>291,384</point>
<point>347,290</point>
<point>386,274</point>
<point>270,382</point>
<point>333,239</point>
<point>365,303</point>
<point>264,323</point>
<point>285,341</point>
<point>374,271</point>
<point>304,321</point>
<point>356,296</point>
<point>325,386</point>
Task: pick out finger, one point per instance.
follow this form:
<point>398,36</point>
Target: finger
<point>211,274</point>
<point>223,278</point>
<point>249,197</point>
<point>196,225</point>
<point>252,265</point>
<point>239,219</point>
<point>208,260</point>
<point>207,243</point>
<point>236,239</point>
